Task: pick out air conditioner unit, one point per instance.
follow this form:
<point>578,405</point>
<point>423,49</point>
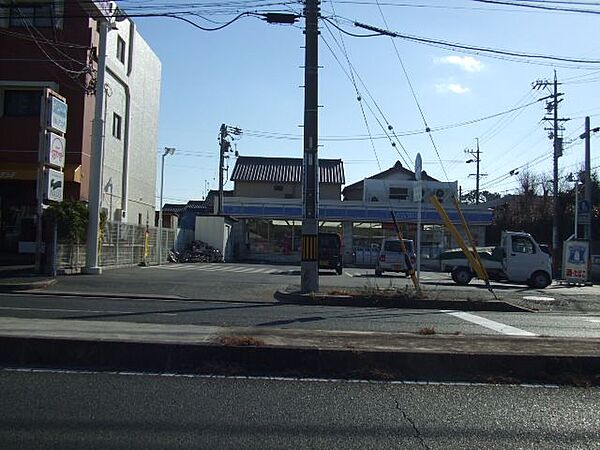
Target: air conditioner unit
<point>443,192</point>
<point>120,215</point>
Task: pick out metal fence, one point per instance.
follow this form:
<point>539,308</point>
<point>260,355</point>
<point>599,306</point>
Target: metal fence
<point>122,245</point>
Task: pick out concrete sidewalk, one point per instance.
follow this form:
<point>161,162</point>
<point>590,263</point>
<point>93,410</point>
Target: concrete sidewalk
<point>289,352</point>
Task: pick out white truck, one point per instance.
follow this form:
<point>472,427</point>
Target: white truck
<point>519,259</point>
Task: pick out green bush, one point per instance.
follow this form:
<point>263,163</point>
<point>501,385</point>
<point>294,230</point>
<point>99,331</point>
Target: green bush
<point>71,218</point>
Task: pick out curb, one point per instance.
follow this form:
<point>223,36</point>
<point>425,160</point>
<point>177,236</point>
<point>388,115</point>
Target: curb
<point>387,302</point>
<point>13,285</point>
<point>258,360</point>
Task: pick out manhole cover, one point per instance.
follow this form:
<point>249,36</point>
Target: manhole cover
<point>539,299</point>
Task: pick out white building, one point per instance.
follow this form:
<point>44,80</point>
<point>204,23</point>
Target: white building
<point>132,87</point>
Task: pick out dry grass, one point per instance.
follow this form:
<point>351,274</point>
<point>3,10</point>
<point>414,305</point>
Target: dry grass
<point>384,293</point>
<point>426,331</point>
<point>240,341</point>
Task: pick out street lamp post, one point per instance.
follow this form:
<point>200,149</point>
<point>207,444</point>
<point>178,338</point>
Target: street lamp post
<point>168,151</point>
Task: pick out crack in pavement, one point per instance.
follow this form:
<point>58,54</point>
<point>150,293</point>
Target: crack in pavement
<point>413,425</point>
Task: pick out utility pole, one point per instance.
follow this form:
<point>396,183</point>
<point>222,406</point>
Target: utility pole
<point>556,136</point>
<point>93,231</point>
<point>224,148</point>
<point>310,194</point>
<point>477,159</point>
<point>587,233</point>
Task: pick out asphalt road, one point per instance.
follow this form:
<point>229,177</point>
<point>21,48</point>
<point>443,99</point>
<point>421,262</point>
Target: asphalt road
<point>269,314</point>
<point>53,410</point>
<point>258,282</point>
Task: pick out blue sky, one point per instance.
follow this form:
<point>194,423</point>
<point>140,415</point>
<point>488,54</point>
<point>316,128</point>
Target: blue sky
<point>248,75</point>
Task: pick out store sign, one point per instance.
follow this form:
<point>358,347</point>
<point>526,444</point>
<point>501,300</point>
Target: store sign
<point>583,217</point>
<point>57,114</point>
<point>54,185</point>
<point>55,150</point>
<point>575,261</point>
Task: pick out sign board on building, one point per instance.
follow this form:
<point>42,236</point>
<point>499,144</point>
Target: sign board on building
<point>55,150</point>
<point>53,185</point>
<point>575,261</point>
<point>57,114</point>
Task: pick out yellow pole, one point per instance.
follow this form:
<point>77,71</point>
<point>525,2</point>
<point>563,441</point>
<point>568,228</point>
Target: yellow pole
<point>411,269</point>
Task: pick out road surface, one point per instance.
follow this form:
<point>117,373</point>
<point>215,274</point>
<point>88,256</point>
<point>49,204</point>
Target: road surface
<point>273,314</point>
<point>54,410</point>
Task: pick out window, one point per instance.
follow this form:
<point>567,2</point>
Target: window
<point>522,245</point>
<point>116,128</point>
<point>120,49</point>
<point>37,15</point>
<point>22,103</point>
<point>398,193</point>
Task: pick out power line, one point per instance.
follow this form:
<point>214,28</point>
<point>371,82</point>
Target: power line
<point>471,49</point>
<point>353,80</point>
<point>547,8</point>
<point>386,130</point>
<point>414,95</point>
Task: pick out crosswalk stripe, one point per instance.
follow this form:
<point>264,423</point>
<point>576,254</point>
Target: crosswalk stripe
<point>243,269</point>
<point>232,269</point>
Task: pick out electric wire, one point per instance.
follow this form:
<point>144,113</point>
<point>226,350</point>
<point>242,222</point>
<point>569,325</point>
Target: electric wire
<point>538,6</point>
<point>414,95</point>
<point>389,127</point>
<point>517,56</point>
<point>357,92</point>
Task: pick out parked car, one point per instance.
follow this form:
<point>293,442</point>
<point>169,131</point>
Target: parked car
<point>392,258</point>
<point>330,252</point>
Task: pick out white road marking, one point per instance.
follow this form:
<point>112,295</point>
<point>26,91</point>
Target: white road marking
<point>266,378</point>
<point>539,298</point>
<point>242,269</point>
<point>593,320</point>
<point>349,274</point>
<point>490,324</point>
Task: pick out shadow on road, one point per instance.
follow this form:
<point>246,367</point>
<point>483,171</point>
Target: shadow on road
<point>166,311</point>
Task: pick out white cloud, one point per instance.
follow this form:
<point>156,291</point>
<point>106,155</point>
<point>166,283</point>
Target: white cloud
<point>455,88</point>
<point>466,63</point>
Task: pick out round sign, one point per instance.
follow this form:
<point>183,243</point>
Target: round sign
<point>418,167</point>
<point>57,150</point>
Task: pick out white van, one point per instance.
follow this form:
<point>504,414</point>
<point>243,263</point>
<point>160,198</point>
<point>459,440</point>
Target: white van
<point>392,258</point>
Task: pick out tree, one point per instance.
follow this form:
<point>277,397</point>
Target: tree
<point>71,218</point>
<point>484,196</point>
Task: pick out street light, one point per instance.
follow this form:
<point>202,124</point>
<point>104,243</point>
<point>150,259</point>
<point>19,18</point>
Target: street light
<point>168,151</point>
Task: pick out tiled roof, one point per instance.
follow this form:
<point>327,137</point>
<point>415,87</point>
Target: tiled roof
<point>173,208</point>
<point>284,170</point>
<point>396,168</point>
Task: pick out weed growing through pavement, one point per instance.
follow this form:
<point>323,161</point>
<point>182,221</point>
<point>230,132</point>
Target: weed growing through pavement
<point>426,331</point>
<point>240,341</point>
